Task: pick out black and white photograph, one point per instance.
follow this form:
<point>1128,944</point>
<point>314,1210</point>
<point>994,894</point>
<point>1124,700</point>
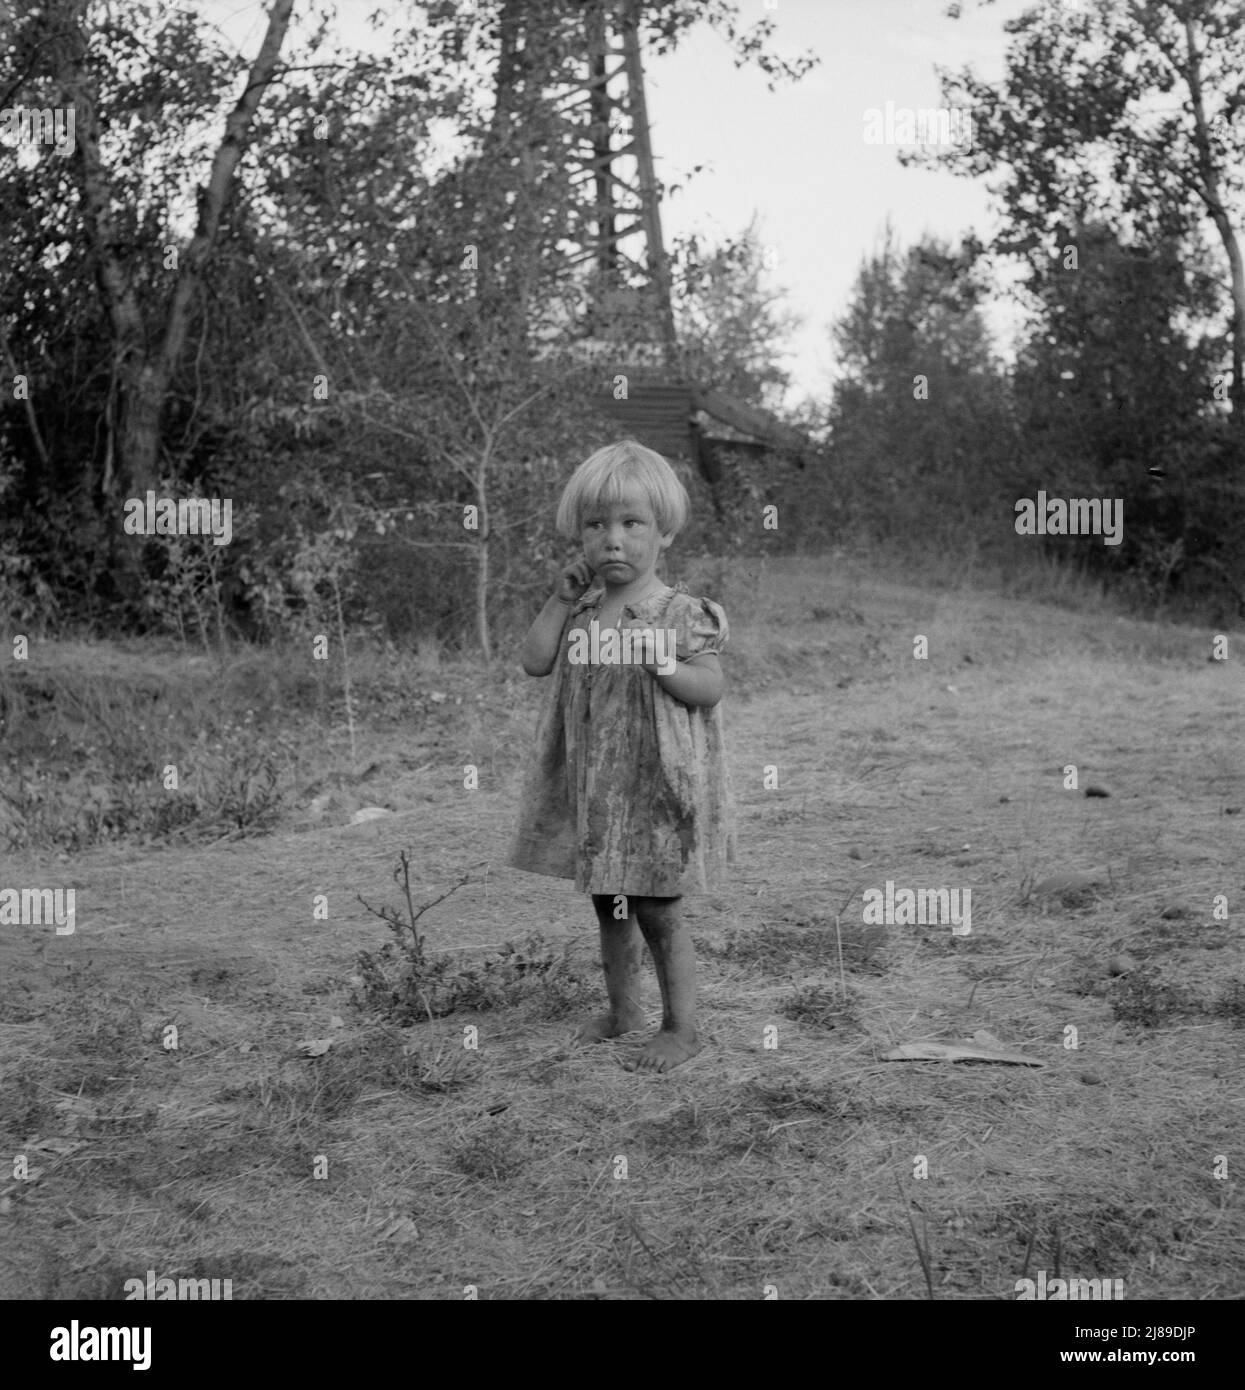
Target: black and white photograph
<point>621,667</point>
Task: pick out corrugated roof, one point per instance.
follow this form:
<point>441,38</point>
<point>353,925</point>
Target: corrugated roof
<point>658,416</point>
<point>662,415</point>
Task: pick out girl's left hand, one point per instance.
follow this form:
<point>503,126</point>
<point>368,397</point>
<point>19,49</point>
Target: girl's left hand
<point>653,664</point>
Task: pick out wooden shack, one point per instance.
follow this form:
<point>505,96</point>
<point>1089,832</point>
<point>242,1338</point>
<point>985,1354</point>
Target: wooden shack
<point>689,422</point>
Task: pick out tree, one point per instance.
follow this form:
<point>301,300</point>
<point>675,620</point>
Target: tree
<point>340,290</point>
<point>732,328</point>
<point>1105,405</point>
<point>1126,111</point>
<point>921,413</point>
<point>1103,373</point>
<point>147,342</point>
<point>114,264</point>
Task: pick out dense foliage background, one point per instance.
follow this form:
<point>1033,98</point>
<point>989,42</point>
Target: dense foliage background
<point>354,315</point>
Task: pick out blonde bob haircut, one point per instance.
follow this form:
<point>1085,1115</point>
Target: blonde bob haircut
<point>618,471</point>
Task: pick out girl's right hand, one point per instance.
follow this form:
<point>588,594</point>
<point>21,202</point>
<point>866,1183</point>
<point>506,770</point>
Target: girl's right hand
<point>575,579</point>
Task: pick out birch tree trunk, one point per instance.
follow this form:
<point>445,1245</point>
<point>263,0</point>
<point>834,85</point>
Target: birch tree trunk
<point>1208,186</point>
<point>482,557</point>
<point>144,374</point>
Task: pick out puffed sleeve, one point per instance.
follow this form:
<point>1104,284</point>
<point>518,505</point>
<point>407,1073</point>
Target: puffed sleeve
<point>700,626</point>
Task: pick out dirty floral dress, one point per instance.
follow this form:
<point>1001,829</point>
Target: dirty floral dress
<point>627,790</point>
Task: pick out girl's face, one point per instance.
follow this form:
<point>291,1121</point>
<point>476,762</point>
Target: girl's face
<point>623,542</point>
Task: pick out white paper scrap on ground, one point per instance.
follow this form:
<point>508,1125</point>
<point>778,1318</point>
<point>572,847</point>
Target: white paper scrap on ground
<point>983,1047</point>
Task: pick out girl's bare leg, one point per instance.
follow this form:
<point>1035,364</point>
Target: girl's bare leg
<point>675,961</point>
<point>621,951</point>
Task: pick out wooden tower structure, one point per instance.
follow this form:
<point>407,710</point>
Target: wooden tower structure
<point>631,316</point>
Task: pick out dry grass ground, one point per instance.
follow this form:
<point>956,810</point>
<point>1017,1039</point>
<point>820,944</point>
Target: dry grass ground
<point>402,1164</point>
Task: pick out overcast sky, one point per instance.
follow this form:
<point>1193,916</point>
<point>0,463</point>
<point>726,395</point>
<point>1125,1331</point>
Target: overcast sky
<point>798,156</point>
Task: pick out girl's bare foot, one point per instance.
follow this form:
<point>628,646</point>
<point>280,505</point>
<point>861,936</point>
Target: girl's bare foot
<point>609,1025</point>
<point>665,1050</point>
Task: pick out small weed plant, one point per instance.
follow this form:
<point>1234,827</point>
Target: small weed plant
<point>404,984</point>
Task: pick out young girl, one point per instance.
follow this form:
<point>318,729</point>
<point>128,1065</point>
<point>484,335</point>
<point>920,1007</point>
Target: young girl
<point>627,794</point>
